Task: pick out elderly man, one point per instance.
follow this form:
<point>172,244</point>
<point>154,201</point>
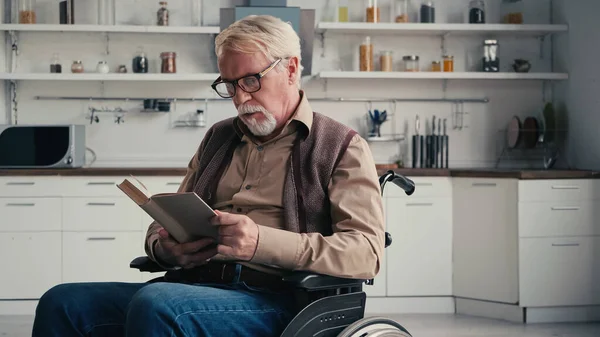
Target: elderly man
<point>293,190</point>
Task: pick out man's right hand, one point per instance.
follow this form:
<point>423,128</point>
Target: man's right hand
<point>186,255</point>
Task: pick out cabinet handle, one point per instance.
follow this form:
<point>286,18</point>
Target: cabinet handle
<point>92,183</point>
<point>565,245</point>
<point>102,238</point>
<point>567,208</point>
<point>484,184</point>
<point>173,184</point>
<point>101,204</point>
<point>565,187</point>
<point>13,204</point>
<point>420,204</point>
<point>20,183</point>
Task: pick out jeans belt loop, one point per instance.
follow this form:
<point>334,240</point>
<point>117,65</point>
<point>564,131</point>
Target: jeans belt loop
<point>223,266</point>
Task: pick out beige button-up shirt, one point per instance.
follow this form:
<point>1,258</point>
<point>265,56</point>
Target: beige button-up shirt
<point>253,183</point>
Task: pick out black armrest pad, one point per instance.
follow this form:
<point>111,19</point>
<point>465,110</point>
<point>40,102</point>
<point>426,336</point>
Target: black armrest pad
<point>311,282</point>
<point>143,263</point>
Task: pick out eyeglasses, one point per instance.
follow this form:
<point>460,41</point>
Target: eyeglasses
<point>249,84</point>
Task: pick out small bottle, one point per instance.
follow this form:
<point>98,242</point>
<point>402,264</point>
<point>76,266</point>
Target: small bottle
<point>122,69</point>
<point>373,12</point>
<point>448,63</point>
<point>386,61</point>
<point>168,64</point>
<point>140,62</point>
<point>201,119</point>
<point>366,55</point>
<point>476,11</point>
<point>55,66</point>
<point>102,67</point>
<point>436,66</point>
<point>342,11</point>
<point>162,16</point>
<point>427,12</point>
<point>77,67</point>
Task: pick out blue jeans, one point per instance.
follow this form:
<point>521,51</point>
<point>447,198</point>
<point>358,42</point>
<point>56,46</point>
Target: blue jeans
<point>161,309</point>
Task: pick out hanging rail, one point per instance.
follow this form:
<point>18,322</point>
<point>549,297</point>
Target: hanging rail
<point>316,99</point>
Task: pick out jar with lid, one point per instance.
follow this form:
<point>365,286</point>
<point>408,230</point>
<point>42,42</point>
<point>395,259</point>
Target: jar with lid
<point>400,11</point>
<point>341,14</point>
<point>373,11</point>
<point>491,62</point>
<point>366,55</point>
<point>427,12</point>
<point>436,66</point>
<point>476,11</point>
<point>386,61</point>
<point>27,11</point>
<point>162,15</point>
<point>168,64</point>
<point>77,67</point>
<point>55,66</point>
<point>448,63</point>
<point>411,63</point>
<point>513,11</point>
<point>102,67</point>
<point>140,62</point>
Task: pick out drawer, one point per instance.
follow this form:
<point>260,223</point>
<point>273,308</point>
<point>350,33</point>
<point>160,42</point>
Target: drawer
<point>557,272</point>
<point>30,214</point>
<point>162,184</point>
<point>24,186</point>
<point>100,256</point>
<point>92,186</point>
<point>558,190</point>
<point>559,218</point>
<point>424,187</point>
<point>30,264</point>
<point>101,214</point>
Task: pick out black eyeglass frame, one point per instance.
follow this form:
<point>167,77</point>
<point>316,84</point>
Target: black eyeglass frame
<point>235,83</point>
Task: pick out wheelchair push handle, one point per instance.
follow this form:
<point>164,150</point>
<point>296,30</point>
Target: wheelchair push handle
<point>399,180</point>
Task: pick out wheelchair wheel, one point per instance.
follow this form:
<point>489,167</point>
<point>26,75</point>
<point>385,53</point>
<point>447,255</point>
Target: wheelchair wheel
<point>375,327</point>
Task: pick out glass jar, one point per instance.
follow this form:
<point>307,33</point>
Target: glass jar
<point>27,11</point>
<point>427,12</point>
<point>400,11</point>
<point>513,11</point>
<point>102,67</point>
<point>386,61</point>
<point>411,63</point>
<point>122,69</point>
<point>77,67</point>
<point>373,11</point>
<point>436,66</point>
<point>476,11</point>
<point>366,55</point>
<point>140,62</point>
<point>106,12</point>
<point>168,64</point>
<point>55,66</point>
<point>162,15</point>
<point>448,63</point>
<point>491,62</point>
<point>341,11</point>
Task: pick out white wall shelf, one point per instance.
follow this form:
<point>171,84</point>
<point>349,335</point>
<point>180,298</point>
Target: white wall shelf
<point>107,77</point>
<point>440,29</point>
<point>441,75</point>
<point>110,29</point>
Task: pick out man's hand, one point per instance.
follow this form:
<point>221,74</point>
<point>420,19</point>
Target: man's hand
<point>186,255</point>
<point>238,235</point>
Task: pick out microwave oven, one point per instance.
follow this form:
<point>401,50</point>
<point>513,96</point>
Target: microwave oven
<point>42,146</point>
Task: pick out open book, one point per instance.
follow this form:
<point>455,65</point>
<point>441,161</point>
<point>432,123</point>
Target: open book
<point>184,215</point>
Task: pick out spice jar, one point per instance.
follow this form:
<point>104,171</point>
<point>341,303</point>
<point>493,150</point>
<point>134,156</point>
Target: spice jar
<point>400,12</point>
<point>102,67</point>
<point>436,66</point>
<point>342,11</point>
<point>77,67</point>
<point>168,65</point>
<point>448,63</point>
<point>476,11</point>
<point>366,55</point>
<point>373,12</point>
<point>162,16</point>
<point>140,62</point>
<point>427,12</point>
<point>27,11</point>
<point>386,61</point>
<point>122,69</point>
<point>411,63</point>
<point>55,66</point>
<point>513,11</point>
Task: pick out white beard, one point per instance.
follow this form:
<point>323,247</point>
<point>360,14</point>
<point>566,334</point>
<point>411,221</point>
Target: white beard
<point>259,129</point>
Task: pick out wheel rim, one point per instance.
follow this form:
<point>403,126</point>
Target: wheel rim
<point>375,327</point>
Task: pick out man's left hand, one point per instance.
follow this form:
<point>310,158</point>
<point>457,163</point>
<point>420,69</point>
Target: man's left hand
<point>238,235</point>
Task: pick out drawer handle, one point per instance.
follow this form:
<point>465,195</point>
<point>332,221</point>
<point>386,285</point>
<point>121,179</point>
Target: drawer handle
<point>420,204</point>
<point>484,184</point>
<point>173,184</point>
<point>102,238</point>
<point>12,204</point>
<point>20,183</point>
<point>565,245</point>
<point>565,187</point>
<point>571,208</point>
<point>92,183</point>
<point>101,204</point>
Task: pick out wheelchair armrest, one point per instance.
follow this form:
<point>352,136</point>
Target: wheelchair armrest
<point>312,282</point>
<point>143,263</point>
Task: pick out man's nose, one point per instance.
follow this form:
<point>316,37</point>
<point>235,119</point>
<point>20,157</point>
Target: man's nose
<point>241,97</point>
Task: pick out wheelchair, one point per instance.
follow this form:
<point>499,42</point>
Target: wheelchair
<point>338,313</point>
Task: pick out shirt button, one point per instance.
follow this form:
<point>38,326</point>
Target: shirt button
<point>248,187</point>
<point>260,148</point>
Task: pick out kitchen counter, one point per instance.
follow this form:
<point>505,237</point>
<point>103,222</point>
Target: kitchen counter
<point>468,173</point>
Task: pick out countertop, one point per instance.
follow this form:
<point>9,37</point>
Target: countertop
<point>468,173</point>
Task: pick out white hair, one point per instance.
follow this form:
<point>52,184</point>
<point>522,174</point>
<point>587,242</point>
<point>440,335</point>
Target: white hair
<point>262,33</point>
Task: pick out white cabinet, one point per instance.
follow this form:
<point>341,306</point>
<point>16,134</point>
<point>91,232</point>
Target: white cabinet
<point>100,256</point>
<point>30,214</point>
<point>30,264</point>
<point>100,214</point>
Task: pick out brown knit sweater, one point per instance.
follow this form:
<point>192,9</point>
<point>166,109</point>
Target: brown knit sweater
<point>312,162</point>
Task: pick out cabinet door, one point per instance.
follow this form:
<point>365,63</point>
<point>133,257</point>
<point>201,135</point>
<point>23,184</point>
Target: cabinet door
<point>378,289</point>
<point>30,264</point>
<point>30,214</point>
<point>558,272</point>
<point>87,214</point>
<point>100,256</point>
<point>420,257</point>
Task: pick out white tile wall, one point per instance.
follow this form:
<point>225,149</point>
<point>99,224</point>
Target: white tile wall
<point>155,143</point>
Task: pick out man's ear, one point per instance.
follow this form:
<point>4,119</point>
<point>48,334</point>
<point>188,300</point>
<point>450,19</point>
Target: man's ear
<point>293,69</point>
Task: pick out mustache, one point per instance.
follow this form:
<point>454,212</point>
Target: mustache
<point>246,109</point>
